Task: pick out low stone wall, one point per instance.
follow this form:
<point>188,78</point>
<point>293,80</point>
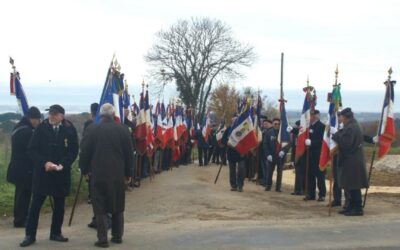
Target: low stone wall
<point>389,163</point>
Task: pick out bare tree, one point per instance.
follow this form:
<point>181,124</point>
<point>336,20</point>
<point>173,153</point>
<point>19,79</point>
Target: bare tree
<point>196,53</point>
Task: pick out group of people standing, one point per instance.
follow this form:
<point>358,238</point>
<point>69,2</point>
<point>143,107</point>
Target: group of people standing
<point>43,153</point>
<point>349,170</point>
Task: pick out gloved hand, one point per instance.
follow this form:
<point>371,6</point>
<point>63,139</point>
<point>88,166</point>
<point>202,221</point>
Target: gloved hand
<point>375,139</point>
<point>308,142</point>
<point>289,129</point>
<point>269,158</point>
<point>281,154</point>
<point>333,130</point>
<point>341,125</point>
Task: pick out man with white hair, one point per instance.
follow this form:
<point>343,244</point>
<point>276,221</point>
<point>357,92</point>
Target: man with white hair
<point>107,155</point>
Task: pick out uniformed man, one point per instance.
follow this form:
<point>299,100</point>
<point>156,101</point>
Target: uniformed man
<point>298,166</point>
<point>107,154</point>
<point>236,162</point>
<point>352,173</point>
<point>53,148</point>
<point>275,156</point>
<point>20,168</point>
<point>202,148</point>
<point>315,176</point>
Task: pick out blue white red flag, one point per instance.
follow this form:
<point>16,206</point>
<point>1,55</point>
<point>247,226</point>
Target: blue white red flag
<point>243,137</point>
<point>386,131</point>
<point>304,127</point>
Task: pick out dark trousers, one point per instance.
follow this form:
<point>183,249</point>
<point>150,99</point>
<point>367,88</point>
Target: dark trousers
<point>117,225</point>
<point>22,198</point>
<point>34,212</point>
<point>236,174</point>
<point>270,173</point>
<point>203,159</point>
<point>314,180</point>
<point>355,199</point>
<point>299,180</point>
<point>337,191</point>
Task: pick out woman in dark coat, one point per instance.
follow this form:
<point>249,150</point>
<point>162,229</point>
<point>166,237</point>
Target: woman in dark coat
<point>107,148</point>
<point>352,173</point>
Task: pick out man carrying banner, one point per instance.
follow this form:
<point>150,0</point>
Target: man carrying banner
<point>352,172</point>
<point>315,176</point>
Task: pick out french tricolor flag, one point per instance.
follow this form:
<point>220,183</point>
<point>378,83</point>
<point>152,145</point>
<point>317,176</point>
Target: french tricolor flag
<point>206,129</point>
<point>386,132</point>
<point>304,128</point>
<point>17,90</point>
<point>283,136</point>
<point>243,137</point>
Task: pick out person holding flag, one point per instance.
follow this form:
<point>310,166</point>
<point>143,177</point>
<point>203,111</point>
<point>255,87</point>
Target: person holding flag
<point>352,169</point>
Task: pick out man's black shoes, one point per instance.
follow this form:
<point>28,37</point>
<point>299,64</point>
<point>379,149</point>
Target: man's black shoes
<point>59,238</point>
<point>103,244</point>
<point>28,240</point>
<point>117,240</point>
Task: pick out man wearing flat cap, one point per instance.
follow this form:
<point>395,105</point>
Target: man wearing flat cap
<point>21,166</point>
<point>53,148</point>
<point>352,174</point>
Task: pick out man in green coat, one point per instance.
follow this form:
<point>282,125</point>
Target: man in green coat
<point>352,173</point>
<point>107,154</point>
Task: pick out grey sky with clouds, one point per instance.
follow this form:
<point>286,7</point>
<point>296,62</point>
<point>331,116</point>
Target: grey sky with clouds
<point>71,42</point>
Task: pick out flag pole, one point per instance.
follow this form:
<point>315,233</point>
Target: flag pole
<point>332,155</point>
<point>307,89</point>
<point>282,100</point>
<point>390,71</point>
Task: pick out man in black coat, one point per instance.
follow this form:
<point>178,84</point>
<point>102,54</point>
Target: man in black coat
<point>202,148</point>
<point>53,148</point>
<point>314,143</point>
<point>275,156</point>
<point>21,166</point>
<point>237,168</point>
<point>107,154</point>
<point>298,166</point>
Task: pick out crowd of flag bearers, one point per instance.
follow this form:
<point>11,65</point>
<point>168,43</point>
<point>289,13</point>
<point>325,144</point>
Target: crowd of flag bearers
<point>124,143</point>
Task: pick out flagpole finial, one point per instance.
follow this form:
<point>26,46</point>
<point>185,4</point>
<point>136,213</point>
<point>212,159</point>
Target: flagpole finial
<point>142,85</point>
<point>336,74</point>
<point>390,71</point>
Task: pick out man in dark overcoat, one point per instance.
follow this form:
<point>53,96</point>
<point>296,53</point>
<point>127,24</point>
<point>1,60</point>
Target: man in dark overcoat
<point>315,176</point>
<point>20,168</point>
<point>53,148</point>
<point>107,154</point>
<point>352,174</point>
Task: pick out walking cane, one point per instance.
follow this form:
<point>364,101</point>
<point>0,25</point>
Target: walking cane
<point>219,171</point>
<point>75,201</point>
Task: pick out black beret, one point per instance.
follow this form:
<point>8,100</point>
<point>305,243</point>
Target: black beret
<point>94,107</point>
<point>33,113</point>
<point>346,112</point>
<point>298,123</point>
<point>315,112</point>
<point>56,109</point>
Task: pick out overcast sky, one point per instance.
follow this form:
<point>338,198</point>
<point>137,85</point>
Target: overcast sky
<point>72,42</point>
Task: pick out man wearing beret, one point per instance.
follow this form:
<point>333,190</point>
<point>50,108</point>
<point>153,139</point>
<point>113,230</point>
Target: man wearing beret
<point>53,148</point>
<point>352,173</point>
<point>20,168</point>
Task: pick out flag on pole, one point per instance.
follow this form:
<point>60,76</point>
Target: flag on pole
<point>206,129</point>
<point>283,135</point>
<point>17,90</point>
<point>112,91</point>
<point>386,131</point>
<point>220,132</point>
<point>243,137</point>
<point>329,146</point>
<point>304,127</point>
